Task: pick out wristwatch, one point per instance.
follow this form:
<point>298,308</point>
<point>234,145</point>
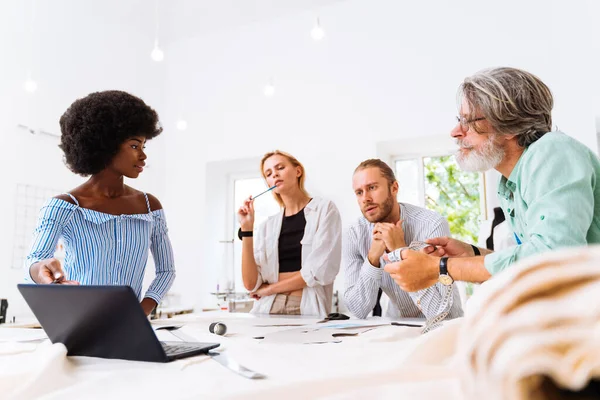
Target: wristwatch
<point>243,234</point>
<point>445,278</point>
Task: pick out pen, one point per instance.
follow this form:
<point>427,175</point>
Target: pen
<point>260,194</point>
<point>403,324</point>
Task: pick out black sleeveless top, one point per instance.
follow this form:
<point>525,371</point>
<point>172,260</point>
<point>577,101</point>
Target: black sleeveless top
<point>290,249</point>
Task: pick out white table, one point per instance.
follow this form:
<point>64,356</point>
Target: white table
<point>293,370</point>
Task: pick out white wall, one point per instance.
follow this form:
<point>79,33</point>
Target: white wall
<point>386,70</point>
<point>72,56</point>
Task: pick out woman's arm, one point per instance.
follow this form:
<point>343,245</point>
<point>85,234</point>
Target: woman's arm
<point>162,252</point>
<point>250,269</point>
<point>293,282</point>
<point>249,266</point>
<point>40,265</point>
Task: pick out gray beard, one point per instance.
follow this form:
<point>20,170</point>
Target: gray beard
<point>484,159</point>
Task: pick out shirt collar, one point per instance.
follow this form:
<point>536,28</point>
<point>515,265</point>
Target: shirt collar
<point>311,205</point>
<point>506,187</point>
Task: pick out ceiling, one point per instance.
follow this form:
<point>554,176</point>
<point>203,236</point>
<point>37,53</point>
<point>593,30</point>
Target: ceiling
<point>178,19</point>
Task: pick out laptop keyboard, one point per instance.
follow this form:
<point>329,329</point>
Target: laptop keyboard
<point>172,349</point>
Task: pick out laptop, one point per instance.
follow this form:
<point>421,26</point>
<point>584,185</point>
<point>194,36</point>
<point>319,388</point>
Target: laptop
<point>102,321</point>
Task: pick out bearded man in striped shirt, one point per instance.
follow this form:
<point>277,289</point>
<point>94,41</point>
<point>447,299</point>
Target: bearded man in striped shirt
<point>385,226</point>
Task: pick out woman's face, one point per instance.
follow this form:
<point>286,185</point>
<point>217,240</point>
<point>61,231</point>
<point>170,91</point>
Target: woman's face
<point>130,160</point>
<point>280,172</point>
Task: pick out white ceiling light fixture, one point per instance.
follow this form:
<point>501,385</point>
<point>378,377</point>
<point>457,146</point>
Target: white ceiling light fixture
<point>157,54</point>
<point>269,89</point>
<point>30,85</point>
<point>317,33</point>
<point>182,124</point>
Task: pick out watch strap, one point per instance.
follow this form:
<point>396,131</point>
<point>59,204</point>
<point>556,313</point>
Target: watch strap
<point>243,234</point>
<point>444,266</point>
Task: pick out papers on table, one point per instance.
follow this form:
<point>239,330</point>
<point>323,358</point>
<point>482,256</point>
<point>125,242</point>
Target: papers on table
<point>332,331</point>
<point>21,335</point>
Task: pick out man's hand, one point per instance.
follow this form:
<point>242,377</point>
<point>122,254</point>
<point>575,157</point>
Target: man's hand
<point>416,271</point>
<point>263,291</point>
<point>445,246</point>
<point>376,251</point>
<point>49,271</point>
<point>391,234</point>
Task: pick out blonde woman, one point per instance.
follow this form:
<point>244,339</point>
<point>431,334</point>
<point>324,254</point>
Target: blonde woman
<point>290,261</point>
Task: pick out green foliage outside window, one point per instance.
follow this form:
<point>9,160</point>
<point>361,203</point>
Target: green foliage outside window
<point>454,194</point>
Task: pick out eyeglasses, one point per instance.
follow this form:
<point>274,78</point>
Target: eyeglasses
<point>464,122</point>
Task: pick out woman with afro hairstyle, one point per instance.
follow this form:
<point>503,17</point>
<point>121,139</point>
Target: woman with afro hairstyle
<point>107,227</point>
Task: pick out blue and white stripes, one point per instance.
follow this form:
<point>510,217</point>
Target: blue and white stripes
<point>364,280</point>
<point>105,249</point>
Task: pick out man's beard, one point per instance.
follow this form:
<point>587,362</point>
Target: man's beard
<point>480,160</point>
<point>385,209</point>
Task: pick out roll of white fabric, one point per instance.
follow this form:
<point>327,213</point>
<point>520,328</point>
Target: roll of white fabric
<point>534,329</point>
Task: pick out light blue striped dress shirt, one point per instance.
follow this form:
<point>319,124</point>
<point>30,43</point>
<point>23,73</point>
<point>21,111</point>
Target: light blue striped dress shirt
<point>105,249</point>
<point>363,280</point>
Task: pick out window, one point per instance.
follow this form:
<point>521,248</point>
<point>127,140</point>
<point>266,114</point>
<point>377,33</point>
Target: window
<point>437,183</point>
<point>409,175</point>
<point>264,207</point>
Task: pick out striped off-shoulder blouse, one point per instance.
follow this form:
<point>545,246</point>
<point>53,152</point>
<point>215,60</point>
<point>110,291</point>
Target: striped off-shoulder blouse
<point>105,249</point>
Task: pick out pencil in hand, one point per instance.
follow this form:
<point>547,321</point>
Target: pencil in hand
<point>260,194</point>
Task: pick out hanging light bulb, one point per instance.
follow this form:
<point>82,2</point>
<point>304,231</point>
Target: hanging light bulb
<point>317,32</point>
<point>157,54</point>
<point>30,85</point>
<point>182,125</point>
<point>269,89</point>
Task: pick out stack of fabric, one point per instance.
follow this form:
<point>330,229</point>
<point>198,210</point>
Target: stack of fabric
<point>533,332</point>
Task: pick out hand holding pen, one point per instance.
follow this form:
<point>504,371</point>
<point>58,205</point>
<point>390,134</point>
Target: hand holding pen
<point>246,211</point>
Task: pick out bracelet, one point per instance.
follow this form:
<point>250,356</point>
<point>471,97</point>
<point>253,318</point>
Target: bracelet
<point>476,250</point>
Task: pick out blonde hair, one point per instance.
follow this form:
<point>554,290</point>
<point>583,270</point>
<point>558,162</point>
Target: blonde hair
<point>294,161</point>
<point>515,102</point>
<point>385,169</point>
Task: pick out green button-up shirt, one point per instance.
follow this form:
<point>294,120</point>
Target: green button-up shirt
<point>550,200</point>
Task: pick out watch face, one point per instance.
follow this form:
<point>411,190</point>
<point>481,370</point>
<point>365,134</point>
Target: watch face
<point>446,280</point>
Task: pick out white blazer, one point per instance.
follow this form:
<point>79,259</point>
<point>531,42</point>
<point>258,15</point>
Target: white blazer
<point>321,256</point>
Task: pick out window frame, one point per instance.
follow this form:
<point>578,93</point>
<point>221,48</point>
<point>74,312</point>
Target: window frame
<point>483,206</point>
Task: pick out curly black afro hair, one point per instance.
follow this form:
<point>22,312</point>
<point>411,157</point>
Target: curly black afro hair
<point>94,127</point>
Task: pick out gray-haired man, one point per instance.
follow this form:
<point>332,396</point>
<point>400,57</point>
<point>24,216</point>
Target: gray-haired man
<point>549,189</point>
